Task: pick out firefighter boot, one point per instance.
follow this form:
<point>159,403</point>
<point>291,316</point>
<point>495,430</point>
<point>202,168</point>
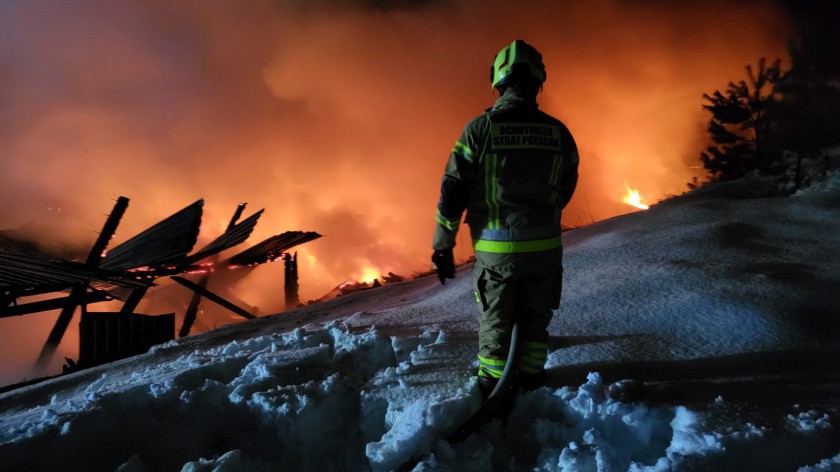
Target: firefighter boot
<point>486,385</point>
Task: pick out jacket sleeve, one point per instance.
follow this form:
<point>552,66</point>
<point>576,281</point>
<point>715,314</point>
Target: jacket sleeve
<point>569,171</point>
<point>455,189</point>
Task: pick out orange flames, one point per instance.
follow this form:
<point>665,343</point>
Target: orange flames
<point>369,275</point>
<point>634,198</point>
<point>336,117</point>
<point>324,116</point>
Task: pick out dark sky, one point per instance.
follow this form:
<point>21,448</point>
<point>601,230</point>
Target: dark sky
<point>817,24</point>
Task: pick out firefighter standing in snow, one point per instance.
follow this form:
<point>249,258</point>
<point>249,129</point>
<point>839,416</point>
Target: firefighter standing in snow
<point>513,170</point>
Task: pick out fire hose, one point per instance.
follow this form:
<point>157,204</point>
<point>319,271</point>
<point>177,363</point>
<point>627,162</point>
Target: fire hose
<point>494,400</point>
<point>488,408</point>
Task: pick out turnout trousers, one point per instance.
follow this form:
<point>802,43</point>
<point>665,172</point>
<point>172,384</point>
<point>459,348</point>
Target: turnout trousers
<point>509,293</point>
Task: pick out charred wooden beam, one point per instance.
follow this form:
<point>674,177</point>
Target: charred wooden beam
<point>97,252</point>
<point>192,309</point>
<point>290,284</point>
<point>77,294</point>
<point>237,214</point>
<point>165,243</point>
<point>272,248</point>
<point>213,297</point>
<point>133,300</point>
<point>235,233</point>
<point>52,304</point>
<point>23,276</point>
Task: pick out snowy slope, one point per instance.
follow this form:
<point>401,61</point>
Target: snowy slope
<point>725,307</point>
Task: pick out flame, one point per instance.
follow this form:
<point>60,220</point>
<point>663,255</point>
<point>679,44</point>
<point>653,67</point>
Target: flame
<point>285,94</point>
<point>369,275</point>
<point>273,82</point>
<point>634,198</point>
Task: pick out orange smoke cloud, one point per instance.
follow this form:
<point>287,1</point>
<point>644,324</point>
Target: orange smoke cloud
<point>340,119</point>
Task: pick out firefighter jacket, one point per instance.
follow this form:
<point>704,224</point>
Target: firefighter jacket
<point>513,169</point>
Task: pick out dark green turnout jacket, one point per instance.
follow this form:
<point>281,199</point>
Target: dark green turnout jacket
<point>513,169</point>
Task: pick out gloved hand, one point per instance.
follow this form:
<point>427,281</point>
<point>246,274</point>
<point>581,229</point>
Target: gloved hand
<point>444,264</point>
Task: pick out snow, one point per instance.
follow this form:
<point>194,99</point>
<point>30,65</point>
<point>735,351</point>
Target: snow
<point>723,307</point>
<point>824,465</point>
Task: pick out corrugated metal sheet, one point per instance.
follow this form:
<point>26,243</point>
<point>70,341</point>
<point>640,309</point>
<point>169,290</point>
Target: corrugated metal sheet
<point>22,274</point>
<point>233,236</point>
<point>272,248</point>
<point>169,240</point>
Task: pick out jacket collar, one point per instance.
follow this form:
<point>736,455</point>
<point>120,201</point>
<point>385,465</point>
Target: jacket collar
<point>511,100</point>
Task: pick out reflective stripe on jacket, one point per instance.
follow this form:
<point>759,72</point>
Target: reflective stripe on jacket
<point>514,168</point>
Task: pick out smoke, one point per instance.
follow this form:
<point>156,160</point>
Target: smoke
<point>339,119</point>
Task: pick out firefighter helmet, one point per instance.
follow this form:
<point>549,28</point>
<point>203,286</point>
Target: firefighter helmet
<point>517,59</point>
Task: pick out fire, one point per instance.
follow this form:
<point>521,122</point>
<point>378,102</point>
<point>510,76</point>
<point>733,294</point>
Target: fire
<point>634,198</point>
<point>369,274</point>
<point>255,147</point>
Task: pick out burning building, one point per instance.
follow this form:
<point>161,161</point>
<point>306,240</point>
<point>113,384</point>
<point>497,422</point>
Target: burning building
<point>339,115</point>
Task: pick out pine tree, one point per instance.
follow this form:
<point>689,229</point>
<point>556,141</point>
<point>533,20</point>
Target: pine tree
<point>809,113</point>
<point>741,123</point>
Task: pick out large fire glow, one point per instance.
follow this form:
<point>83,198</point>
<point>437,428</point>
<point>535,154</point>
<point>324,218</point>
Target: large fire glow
<point>338,117</point>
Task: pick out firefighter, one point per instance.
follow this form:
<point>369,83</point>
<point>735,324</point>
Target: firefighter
<point>513,169</point>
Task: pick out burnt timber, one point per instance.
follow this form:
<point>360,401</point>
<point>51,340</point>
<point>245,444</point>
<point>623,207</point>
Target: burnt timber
<point>127,271</point>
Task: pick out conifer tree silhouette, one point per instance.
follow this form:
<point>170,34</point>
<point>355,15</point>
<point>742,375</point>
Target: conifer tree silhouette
<point>741,123</point>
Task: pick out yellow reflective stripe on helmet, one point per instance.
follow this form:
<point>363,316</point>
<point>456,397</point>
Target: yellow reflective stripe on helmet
<point>462,149</point>
<point>509,247</point>
<point>448,223</point>
<point>516,52</point>
<point>501,64</point>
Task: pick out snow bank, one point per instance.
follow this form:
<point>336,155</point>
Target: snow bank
<point>307,400</point>
<point>290,400</point>
<point>825,465</point>
<point>579,429</point>
<point>327,398</point>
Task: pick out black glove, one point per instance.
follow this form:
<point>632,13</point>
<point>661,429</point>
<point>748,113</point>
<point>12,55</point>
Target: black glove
<point>444,264</point>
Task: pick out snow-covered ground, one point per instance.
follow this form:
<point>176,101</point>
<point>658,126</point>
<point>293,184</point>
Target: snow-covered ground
<point>723,307</point>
